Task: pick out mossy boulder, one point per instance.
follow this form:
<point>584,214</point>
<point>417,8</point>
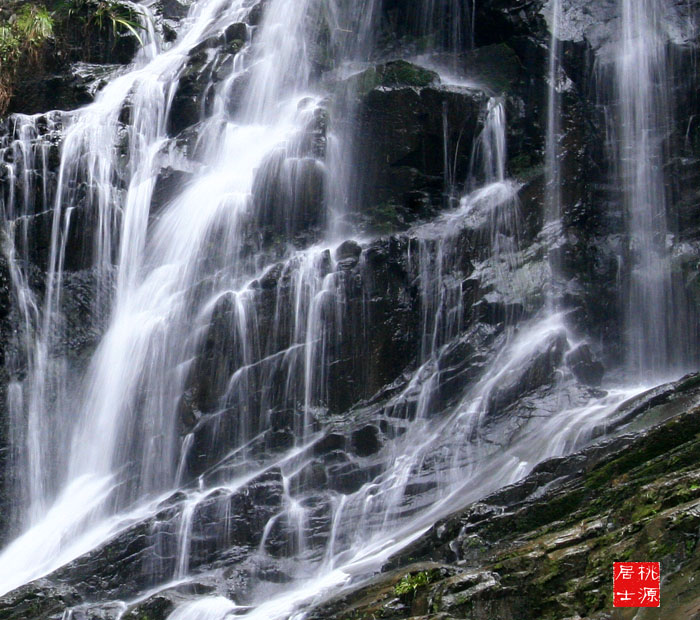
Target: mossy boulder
<point>394,74</point>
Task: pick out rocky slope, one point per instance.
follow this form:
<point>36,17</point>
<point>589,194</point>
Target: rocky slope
<point>544,548</point>
<point>540,549</point>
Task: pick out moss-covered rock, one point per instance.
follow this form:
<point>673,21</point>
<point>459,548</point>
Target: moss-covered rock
<point>394,74</point>
<point>550,555</point>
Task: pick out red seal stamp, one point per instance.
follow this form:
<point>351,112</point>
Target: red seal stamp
<point>636,584</point>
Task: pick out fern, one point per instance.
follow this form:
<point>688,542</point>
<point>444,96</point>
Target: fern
<point>22,36</point>
<point>103,14</point>
<point>122,18</point>
<point>34,24</point>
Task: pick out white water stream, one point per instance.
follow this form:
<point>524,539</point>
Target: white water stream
<point>657,326</point>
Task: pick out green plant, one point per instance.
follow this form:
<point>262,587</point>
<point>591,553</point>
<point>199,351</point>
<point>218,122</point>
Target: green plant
<point>103,15</point>
<point>24,32</point>
<point>410,583</point>
<point>34,24</point>
<point>21,36</point>
<point>9,44</point>
<point>120,16</point>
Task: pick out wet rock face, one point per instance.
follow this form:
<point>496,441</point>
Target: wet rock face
<point>187,107</point>
<point>544,547</point>
<point>597,22</point>
<point>40,599</point>
<point>171,13</point>
<point>289,193</point>
<point>169,184</point>
<point>225,527</point>
<point>75,62</point>
<point>7,476</point>
<point>538,371</point>
<point>208,63</point>
<point>373,340</point>
<point>401,141</point>
<point>585,366</point>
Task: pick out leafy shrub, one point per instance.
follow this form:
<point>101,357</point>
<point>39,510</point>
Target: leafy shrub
<point>21,36</point>
<point>103,15</point>
<point>408,585</point>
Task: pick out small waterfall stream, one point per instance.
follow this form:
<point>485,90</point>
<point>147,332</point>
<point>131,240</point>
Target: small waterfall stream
<point>553,154</point>
<point>657,323</point>
<point>197,290</point>
<point>644,111</point>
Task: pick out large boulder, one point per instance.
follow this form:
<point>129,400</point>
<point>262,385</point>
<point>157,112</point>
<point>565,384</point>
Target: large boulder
<point>401,142</point>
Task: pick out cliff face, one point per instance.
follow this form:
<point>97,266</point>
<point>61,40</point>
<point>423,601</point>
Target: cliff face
<point>442,259</point>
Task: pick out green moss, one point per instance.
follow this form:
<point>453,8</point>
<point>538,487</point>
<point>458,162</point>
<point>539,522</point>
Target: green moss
<point>546,513</point>
<point>402,73</point>
<point>395,74</point>
<point>525,167</point>
<point>520,163</point>
<point>662,442</point>
<point>385,218</point>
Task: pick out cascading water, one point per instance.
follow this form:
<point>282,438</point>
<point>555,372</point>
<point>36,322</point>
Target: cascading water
<point>656,324</point>
<point>222,374</point>
<point>151,303</point>
<point>552,214</point>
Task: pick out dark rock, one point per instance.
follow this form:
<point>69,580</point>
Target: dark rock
<point>496,66</point>
<point>348,249</point>
<point>585,366</point>
<point>366,441</point>
<point>237,92</point>
<point>234,37</point>
<point>346,477</point>
<point>169,184</point>
<point>71,89</point>
<point>59,77</point>
<point>187,107</point>
<point>560,528</point>
<point>535,372</point>
<point>224,525</point>
<point>35,232</point>
<point>289,194</point>
<point>40,600</point>
<point>155,608</point>
<point>329,443</point>
<point>401,131</point>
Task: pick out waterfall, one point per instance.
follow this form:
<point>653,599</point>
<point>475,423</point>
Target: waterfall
<point>552,215</point>
<point>135,378</point>
<point>656,325</point>
<point>452,20</point>
<point>236,321</point>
